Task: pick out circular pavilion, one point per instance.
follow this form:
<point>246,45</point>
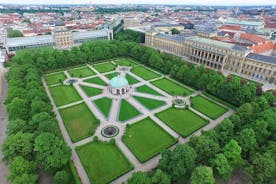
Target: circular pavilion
<point>118,85</point>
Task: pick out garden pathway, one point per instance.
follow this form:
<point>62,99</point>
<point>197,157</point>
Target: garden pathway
<point>113,114</point>
<point>3,123</point>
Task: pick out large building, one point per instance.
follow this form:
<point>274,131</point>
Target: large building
<point>222,56</point>
<point>61,38</point>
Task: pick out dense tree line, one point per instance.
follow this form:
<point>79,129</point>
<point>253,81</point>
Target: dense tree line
<point>22,11</point>
<point>130,35</point>
<point>119,10</point>
<point>34,141</point>
<point>33,134</point>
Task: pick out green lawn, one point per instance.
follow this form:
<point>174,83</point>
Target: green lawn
<point>126,62</point>
<point>104,67</point>
<point>103,162</point>
<point>111,75</point>
<point>55,78</point>
<point>171,87</point>
<point>81,72</point>
<point>148,90</point>
<point>90,91</point>
<point>207,107</point>
<point>96,80</point>
<point>63,95</point>
<point>149,103</point>
<point>183,121</point>
<point>144,73</point>
<point>104,105</point>
<point>127,111</point>
<point>131,80</point>
<point>146,139</point>
<point>79,121</point>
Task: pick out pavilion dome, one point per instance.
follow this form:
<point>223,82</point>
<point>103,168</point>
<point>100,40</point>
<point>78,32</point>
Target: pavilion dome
<point>118,82</point>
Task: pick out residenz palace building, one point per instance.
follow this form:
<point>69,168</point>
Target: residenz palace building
<point>219,55</point>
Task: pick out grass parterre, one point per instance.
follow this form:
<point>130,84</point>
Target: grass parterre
<point>207,107</point>
<point>146,139</point>
<point>79,121</point>
<point>183,121</point>
<point>103,161</point>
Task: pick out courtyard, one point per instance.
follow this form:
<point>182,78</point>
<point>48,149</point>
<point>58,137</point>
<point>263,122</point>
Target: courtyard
<point>140,104</point>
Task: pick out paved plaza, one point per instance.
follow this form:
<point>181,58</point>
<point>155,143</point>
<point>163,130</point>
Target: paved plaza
<point>114,111</point>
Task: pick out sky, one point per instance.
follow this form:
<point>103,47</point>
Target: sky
<point>183,2</point>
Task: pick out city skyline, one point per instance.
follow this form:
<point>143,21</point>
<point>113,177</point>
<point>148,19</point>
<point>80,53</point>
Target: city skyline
<point>174,2</point>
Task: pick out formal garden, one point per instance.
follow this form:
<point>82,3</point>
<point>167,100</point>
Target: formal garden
<point>143,118</point>
<point>100,112</point>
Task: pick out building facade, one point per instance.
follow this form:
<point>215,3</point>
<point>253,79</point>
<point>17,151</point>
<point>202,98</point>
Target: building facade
<point>60,40</point>
<point>63,39</point>
<point>217,55</point>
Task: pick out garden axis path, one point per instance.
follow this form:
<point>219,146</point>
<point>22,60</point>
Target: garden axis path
<point>3,123</point>
<point>148,165</point>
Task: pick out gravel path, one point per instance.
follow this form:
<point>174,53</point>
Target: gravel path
<point>3,123</point>
<point>150,164</point>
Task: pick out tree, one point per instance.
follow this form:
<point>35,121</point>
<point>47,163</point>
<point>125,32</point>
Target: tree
<point>263,103</point>
<point>139,178</point>
<point>263,168</point>
<point>202,175</point>
<point>159,177</point>
<point>25,178</point>
<point>51,152</point>
<point>175,31</point>
<point>245,112</point>
<point>20,166</point>
<point>18,108</point>
<point>38,106</point>
<point>61,177</point>
<point>16,125</point>
<point>225,131</point>
<point>232,151</point>
<point>178,163</point>
<point>205,148</point>
<point>235,119</point>
<point>222,166</point>
<point>247,140</point>
<point>19,144</point>
<point>261,131</point>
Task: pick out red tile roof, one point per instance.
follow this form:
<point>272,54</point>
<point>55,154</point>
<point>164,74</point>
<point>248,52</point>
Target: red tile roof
<point>253,38</point>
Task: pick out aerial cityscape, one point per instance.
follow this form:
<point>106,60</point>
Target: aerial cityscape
<point>137,92</point>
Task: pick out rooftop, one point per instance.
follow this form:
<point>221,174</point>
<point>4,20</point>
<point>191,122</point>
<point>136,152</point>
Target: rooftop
<point>217,43</point>
<point>177,37</point>
<point>243,22</point>
<point>30,40</point>
<point>33,40</point>
<point>258,57</point>
<point>89,34</point>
